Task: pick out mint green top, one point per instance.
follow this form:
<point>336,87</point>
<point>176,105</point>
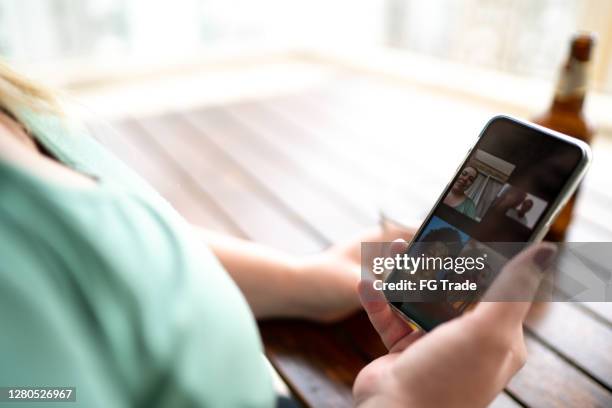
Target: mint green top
<point>467,207</point>
<point>106,290</point>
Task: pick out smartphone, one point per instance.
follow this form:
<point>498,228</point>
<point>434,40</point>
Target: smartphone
<point>508,189</point>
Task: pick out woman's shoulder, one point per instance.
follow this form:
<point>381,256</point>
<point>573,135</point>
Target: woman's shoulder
<point>19,153</point>
<point>74,142</point>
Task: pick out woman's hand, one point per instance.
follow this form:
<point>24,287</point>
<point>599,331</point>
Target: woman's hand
<point>321,287</point>
<point>465,362</point>
<point>330,278</point>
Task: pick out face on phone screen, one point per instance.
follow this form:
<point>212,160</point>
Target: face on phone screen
<point>503,193</point>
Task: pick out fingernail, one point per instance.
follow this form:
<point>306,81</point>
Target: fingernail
<point>544,256</point>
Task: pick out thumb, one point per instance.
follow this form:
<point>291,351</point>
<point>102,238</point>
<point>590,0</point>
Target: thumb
<point>509,297</point>
<point>398,246</point>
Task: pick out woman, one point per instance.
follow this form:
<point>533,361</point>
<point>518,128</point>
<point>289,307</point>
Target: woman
<point>104,287</point>
<point>457,198</point>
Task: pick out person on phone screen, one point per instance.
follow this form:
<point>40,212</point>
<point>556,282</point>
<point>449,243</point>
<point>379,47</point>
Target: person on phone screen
<point>519,213</point>
<point>457,198</point>
<point>106,288</point>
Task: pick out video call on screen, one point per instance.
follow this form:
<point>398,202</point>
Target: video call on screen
<point>500,194</point>
<point>510,179</point>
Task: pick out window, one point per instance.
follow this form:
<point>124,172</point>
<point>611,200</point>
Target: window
<point>522,37</point>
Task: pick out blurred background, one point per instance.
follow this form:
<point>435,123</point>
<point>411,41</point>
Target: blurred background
<point>515,36</point>
<point>81,43</point>
<point>298,123</point>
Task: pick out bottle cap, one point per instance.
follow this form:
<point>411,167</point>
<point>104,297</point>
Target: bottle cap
<point>582,45</point>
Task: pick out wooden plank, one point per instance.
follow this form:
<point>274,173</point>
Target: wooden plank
<point>569,331</point>
<point>370,157</point>
<point>356,169</point>
<point>533,385</point>
<point>503,400</point>
<point>359,332</point>
<point>279,176</point>
<point>298,148</point>
<point>602,309</point>
<point>598,177</point>
<point>318,369</point>
<point>253,211</point>
<point>131,146</point>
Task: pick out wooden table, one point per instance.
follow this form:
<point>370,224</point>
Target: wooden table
<point>300,172</point>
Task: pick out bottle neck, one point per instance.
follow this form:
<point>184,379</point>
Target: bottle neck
<point>571,87</point>
<point>573,104</point>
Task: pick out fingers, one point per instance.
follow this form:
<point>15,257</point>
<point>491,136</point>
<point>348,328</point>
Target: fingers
<point>352,249</point>
<point>397,247</point>
<point>373,300</point>
<point>406,340</point>
<point>509,297</point>
<point>390,327</point>
<point>394,332</point>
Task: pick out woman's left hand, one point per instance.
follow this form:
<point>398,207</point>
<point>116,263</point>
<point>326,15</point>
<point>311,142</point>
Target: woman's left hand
<point>321,287</point>
<point>330,278</point>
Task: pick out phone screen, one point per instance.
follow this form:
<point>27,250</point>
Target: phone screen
<point>504,192</point>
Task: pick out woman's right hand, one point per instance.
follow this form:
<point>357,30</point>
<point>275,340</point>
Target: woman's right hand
<point>465,362</point>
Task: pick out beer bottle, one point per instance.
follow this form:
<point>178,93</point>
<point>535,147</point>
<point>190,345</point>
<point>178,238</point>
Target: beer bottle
<point>565,114</point>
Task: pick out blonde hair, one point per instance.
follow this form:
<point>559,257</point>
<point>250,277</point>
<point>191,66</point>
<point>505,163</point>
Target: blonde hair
<point>19,94</point>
